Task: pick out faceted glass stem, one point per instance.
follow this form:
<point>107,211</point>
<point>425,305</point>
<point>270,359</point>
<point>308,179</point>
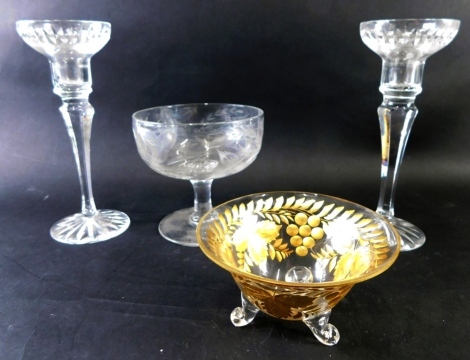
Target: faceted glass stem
<point>396,120</point>
<point>396,116</point>
<point>78,117</point>
<point>91,225</point>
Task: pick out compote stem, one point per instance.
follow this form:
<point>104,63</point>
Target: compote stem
<point>78,117</point>
<point>202,199</point>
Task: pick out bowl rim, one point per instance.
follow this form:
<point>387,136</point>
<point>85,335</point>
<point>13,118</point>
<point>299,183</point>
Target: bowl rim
<point>258,116</point>
<point>386,265</point>
<point>449,21</point>
<point>29,22</point>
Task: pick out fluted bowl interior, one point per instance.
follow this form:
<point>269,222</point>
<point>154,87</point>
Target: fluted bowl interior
<point>65,39</point>
<point>303,246</point>
<point>408,39</point>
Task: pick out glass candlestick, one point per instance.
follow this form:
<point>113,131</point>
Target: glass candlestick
<point>404,45</point>
<point>69,46</point>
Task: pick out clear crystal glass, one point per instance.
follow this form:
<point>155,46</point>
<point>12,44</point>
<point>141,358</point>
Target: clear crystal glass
<point>69,46</point>
<point>296,255</point>
<point>200,143</point>
<point>404,45</point>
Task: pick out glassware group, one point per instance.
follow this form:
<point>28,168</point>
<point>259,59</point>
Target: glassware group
<point>201,142</point>
<point>293,255</point>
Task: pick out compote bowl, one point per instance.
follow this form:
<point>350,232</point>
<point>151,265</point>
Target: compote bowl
<point>296,255</point>
<point>69,46</point>
<point>197,142</point>
<point>404,45</point>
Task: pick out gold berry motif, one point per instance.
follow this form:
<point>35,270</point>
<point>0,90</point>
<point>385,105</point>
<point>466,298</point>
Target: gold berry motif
<point>314,220</point>
<point>308,242</point>
<point>296,240</point>
<point>305,230</point>
<point>301,250</point>
<point>300,219</point>
<point>317,233</point>
<point>292,230</point>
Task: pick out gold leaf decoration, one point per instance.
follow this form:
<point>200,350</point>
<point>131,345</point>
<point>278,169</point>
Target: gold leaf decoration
<point>317,206</point>
<point>277,243</point>
<point>356,217</point>
<point>346,215</point>
<point>364,222</point>
<point>250,207</point>
<point>332,264</point>
<point>326,210</point>
<point>298,203</point>
<point>289,202</point>
<point>259,206</point>
<point>276,218</point>
<point>268,204</point>
<point>284,219</point>
<point>228,216</point>
<point>235,211</point>
<point>334,213</point>
<point>307,204</point>
<point>278,203</point>
<point>242,209</point>
<point>272,252</point>
<point>219,228</point>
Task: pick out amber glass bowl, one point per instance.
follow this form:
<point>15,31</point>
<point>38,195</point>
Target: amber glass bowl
<point>295,255</point>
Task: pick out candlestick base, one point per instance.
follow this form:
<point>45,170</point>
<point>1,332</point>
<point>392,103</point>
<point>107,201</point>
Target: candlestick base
<point>412,237</point>
<point>80,229</point>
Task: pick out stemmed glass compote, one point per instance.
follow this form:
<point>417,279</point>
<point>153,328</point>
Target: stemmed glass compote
<point>200,143</point>
<point>69,46</point>
<point>404,45</point>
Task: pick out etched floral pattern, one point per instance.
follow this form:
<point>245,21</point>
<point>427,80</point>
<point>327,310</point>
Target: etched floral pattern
<point>253,236</point>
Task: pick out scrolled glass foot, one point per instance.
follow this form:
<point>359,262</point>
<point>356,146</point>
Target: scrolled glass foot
<point>326,333</point>
<point>412,237</point>
<point>81,229</point>
<point>245,314</point>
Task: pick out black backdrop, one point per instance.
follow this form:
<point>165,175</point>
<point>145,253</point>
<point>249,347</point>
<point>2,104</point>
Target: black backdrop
<point>303,63</point>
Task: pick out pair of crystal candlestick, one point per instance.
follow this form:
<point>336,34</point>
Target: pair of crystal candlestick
<point>201,142</point>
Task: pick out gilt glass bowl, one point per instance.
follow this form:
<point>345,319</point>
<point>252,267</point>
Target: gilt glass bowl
<point>295,255</point>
